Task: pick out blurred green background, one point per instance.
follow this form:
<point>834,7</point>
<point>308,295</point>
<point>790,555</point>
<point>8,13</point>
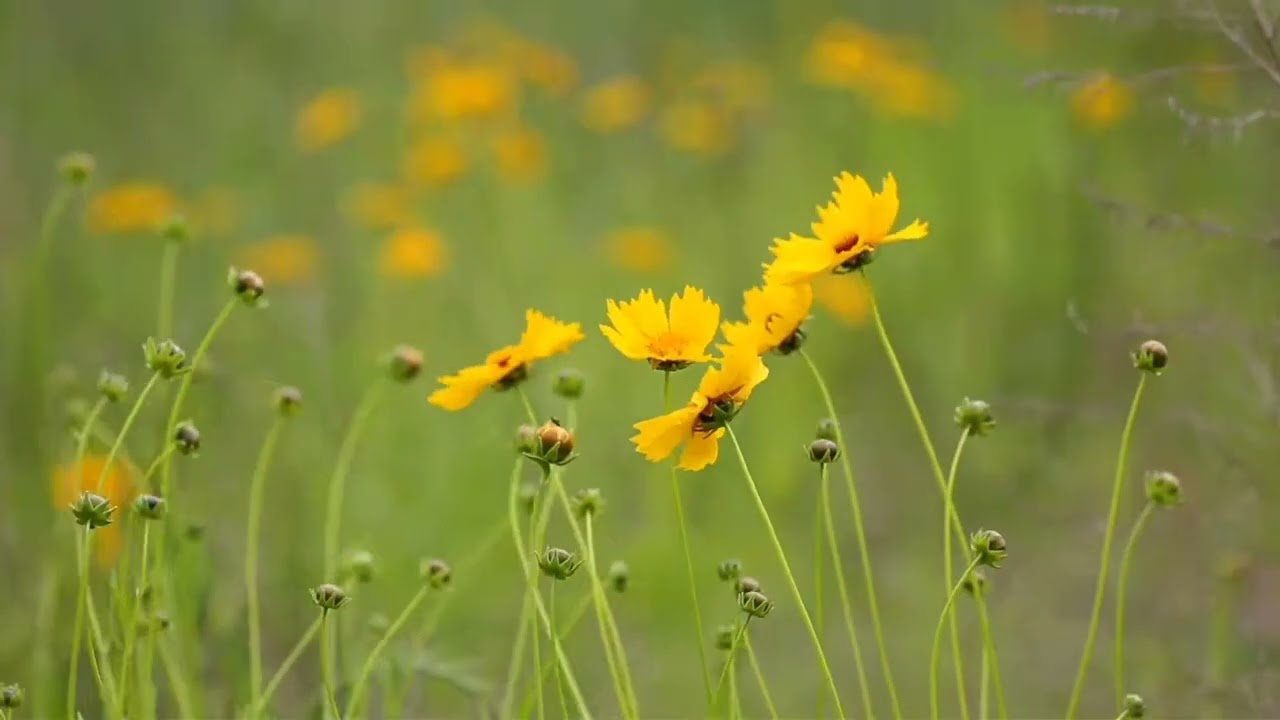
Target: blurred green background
<point>423,172</point>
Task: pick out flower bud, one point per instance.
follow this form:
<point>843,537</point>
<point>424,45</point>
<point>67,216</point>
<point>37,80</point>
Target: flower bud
<point>1152,356</point>
<point>92,510</point>
<point>359,565</point>
<point>187,438</point>
<point>754,603</point>
<point>989,546</point>
<point>176,229</point>
<point>569,384</point>
<point>1163,488</point>
<point>1134,707</point>
<point>826,430</point>
<point>113,387</point>
<point>975,583</point>
<point>165,358</point>
<point>558,563</point>
<point>77,167</point>
<point>823,451</point>
<point>746,583</point>
<point>11,696</point>
<point>248,286</point>
<point>729,570</point>
<point>974,417</point>
<point>405,363</point>
<point>528,495</point>
<point>725,635</point>
<point>436,573</point>
<point>857,262</point>
<point>287,400</point>
<point>329,597</point>
<point>619,576</point>
<point>527,439</point>
<point>588,501</point>
<point>554,445</point>
<point>149,507</point>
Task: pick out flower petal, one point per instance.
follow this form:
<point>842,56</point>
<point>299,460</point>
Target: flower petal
<point>744,334</point>
<point>461,390</point>
<point>701,451</point>
<point>629,345</point>
<point>647,314</point>
<point>882,211</point>
<point>657,438</point>
<point>914,231</point>
<point>695,317</point>
<point>545,336</point>
<point>799,259</point>
<point>852,191</point>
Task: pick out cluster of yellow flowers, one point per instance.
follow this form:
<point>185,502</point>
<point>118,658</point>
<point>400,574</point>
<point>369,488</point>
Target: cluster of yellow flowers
<point>673,337</point>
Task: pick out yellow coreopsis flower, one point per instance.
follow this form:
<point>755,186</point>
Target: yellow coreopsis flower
<point>642,330</point>
<point>543,337</point>
<point>1103,101</point>
<point>642,249</point>
<point>117,487</point>
<point>855,222</point>
<point>433,160</point>
<point>700,424</point>
<point>283,259</point>
<point>775,314</point>
<point>848,55</point>
<point>413,252</point>
<point>379,206</point>
<point>327,119</point>
<point>521,154</point>
<point>616,104</point>
<point>131,208</point>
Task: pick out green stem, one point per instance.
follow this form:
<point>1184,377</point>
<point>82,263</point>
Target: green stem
<point>341,468</point>
<point>168,282</point>
<point>155,464</point>
<point>597,595</point>
<point>575,617</point>
<point>846,605</point>
<point>949,511</point>
<point>77,628</point>
<point>124,431</point>
<point>326,667</point>
<point>735,701</point>
<point>290,660</point>
<point>764,687</point>
<point>984,686</point>
<point>177,681</point>
<point>990,659</point>
<point>786,567</point>
<point>555,644</point>
<point>42,645</point>
<point>864,549</point>
<point>1122,582</point>
<point>253,531</point>
<point>1104,563</point>
<point>98,653</point>
<point>131,629</point>
<point>937,637</point>
<point>819,616</point>
<point>366,670</point>
<point>733,652</point>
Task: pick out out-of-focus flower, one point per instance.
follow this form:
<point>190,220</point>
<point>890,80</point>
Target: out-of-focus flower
<point>616,104</point>
<point>283,259</point>
<point>642,249</point>
<point>541,65</point>
<point>913,91</point>
<point>327,119</point>
<point>70,481</point>
<point>132,207</point>
<point>1102,101</point>
<point>464,90</point>
<point>378,206</point>
<point>521,154</point>
<point>736,85</point>
<point>412,253</point>
<point>216,210</point>
<point>847,55</point>
<point>434,160</point>
<point>697,126</point>
<point>846,297</point>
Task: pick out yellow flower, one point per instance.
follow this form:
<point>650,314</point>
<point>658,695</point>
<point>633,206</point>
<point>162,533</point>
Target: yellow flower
<point>774,316</point>
<point>117,487</point>
<point>378,206</point>
<point>700,424</point>
<point>283,259</point>
<point>907,90</point>
<point>327,119</point>
<point>697,126</point>
<point>641,249</point>
<point>414,252</point>
<point>550,69</point>
<point>845,296</point>
<point>131,208</point>
<point>642,330</point>
<point>521,154</point>
<point>616,104</point>
<point>847,55</point>
<point>458,90</point>
<point>434,160</point>
<point>1103,101</point>
<point>737,85</point>
<point>856,221</point>
<point>543,337</point>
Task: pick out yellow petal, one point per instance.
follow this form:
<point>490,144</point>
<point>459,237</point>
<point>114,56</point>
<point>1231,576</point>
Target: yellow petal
<point>852,191</point>
<point>657,438</point>
<point>741,369</point>
<point>744,334</point>
<point>545,336</point>
<point>914,231</point>
<point>629,345</point>
<point>882,211</point>
<point>695,317</point>
<point>799,259</point>
<point>701,451</point>
<point>648,313</point>
<point>461,390</point>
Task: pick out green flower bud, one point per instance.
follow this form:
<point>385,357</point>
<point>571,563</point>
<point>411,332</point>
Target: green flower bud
<point>165,358</point>
<point>826,430</point>
<point>437,573</point>
<point>187,438</point>
<point>569,384</point>
<point>975,583</point>
<point>729,570</point>
<point>528,495</point>
<point>554,445</point>
<point>588,501</point>
<point>558,563</point>
<point>77,167</point>
<point>113,387</point>
<point>150,507</point>
<point>527,439</point>
<point>359,566</point>
<point>619,576</point>
<point>725,635</point>
<point>248,286</point>
<point>329,597</point>
<point>92,510</point>
<point>823,451</point>
<point>1134,707</point>
<point>974,416</point>
<point>176,229</point>
<point>1152,356</point>
<point>754,603</point>
<point>1163,488</point>
<point>405,363</point>
<point>11,697</point>
<point>989,546</point>
<point>287,400</point>
<point>746,584</point>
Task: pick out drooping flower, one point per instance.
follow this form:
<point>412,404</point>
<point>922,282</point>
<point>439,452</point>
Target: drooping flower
<point>616,104</point>
<point>855,222</point>
<point>327,119</point>
<point>543,337</point>
<point>132,207</point>
<point>642,249</point>
<point>283,259</point>
<point>775,314</point>
<point>413,252</point>
<point>641,329</point>
<point>70,481</point>
<point>1103,101</point>
<point>700,424</point>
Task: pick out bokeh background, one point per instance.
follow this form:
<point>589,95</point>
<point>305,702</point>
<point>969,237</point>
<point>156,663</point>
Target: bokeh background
<point>423,172</point>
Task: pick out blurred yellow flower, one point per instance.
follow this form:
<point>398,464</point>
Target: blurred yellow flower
<point>642,249</point>
<point>855,222</point>
<point>541,65</point>
<point>378,206</point>
<point>521,154</point>
<point>641,329</point>
<point>736,85</point>
<point>131,207</point>
<point>700,424</point>
<point>413,252</point>
<point>775,314</point>
<point>282,260</point>
<point>467,90</point>
<point>543,337</point>
<point>616,104</point>
<point>906,90</point>
<point>216,211</point>
<point>847,55</point>
<point>69,481</point>
<point>433,160</point>
<point>327,119</point>
<point>847,297</point>
<point>697,126</point>
<point>1103,101</point>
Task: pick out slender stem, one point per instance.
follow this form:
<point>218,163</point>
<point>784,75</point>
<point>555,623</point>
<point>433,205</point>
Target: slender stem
<point>177,681</point>
<point>819,617</point>
<point>77,628</point>
<point>555,643</point>
<point>528,406</point>
<point>526,606</point>
<point>326,667</point>
<point>733,652</point>
<point>937,637</point>
<point>990,659</point>
<point>597,592</point>
<point>366,670</point>
<point>1122,582</point>
<point>124,430</point>
<point>131,630</point>
<point>846,606</point>
<point>341,468</point>
<point>253,532</point>
<point>984,686</point>
<point>764,687</point>
<point>1104,562</point>
<point>168,281</point>
<point>98,653</point>
<point>786,567</point>
<point>949,511</point>
<point>42,643</point>
<point>575,617</point>
<point>735,701</point>
<point>290,660</point>
<point>864,549</point>
<point>535,642</point>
